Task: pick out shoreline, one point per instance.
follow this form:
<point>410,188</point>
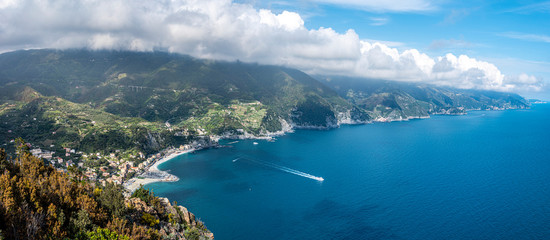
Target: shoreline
<point>152,174</point>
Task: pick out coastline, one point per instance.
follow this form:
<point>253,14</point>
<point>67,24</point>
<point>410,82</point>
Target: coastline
<point>153,174</point>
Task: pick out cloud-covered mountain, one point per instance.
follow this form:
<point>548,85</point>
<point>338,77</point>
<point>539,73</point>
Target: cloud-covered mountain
<point>107,100</point>
<point>222,29</point>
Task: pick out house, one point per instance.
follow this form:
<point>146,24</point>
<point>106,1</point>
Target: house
<point>185,147</point>
<point>36,152</point>
<point>46,155</point>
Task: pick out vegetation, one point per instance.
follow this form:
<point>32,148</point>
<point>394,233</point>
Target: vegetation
<point>39,202</point>
<point>105,234</point>
<point>158,88</point>
<point>394,100</point>
<point>100,103</point>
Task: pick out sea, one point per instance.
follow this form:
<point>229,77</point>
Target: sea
<point>484,175</point>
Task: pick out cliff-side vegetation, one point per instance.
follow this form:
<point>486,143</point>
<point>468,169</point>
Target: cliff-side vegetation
<point>38,201</point>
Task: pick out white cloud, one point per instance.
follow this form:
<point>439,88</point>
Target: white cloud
<point>543,7</point>
<point>384,6</point>
<point>456,15</point>
<point>7,3</point>
<point>379,21</point>
<point>220,29</point>
<point>527,37</point>
<point>289,21</point>
<point>387,43</point>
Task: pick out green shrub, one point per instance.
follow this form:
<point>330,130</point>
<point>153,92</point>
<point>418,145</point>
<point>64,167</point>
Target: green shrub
<point>105,234</point>
<point>149,219</point>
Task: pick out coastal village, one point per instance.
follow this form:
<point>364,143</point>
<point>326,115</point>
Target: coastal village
<point>118,167</point>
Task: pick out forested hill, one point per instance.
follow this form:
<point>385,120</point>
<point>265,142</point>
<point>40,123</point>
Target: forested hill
<point>173,88</point>
<point>102,101</point>
<point>390,100</point>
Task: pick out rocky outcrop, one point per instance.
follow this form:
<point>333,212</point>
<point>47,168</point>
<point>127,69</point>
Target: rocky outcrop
<point>139,205</point>
<point>174,221</point>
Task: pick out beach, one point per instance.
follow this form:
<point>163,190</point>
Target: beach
<point>153,174</point>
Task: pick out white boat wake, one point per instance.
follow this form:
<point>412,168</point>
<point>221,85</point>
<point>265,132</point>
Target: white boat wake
<point>284,169</point>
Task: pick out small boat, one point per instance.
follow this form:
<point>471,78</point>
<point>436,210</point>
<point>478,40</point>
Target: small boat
<point>255,143</point>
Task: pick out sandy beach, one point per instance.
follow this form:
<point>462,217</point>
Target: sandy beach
<point>153,174</point>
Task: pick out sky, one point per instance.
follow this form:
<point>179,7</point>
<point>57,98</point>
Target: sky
<point>490,45</point>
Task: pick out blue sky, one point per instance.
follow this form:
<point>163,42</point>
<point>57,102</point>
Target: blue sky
<point>513,35</point>
<point>491,45</point>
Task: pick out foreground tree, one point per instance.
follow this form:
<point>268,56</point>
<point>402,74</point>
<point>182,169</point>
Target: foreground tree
<point>38,201</point>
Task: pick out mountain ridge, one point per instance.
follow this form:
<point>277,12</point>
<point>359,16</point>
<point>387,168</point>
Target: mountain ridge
<point>137,103</point>
<point>171,85</point>
<point>392,101</point>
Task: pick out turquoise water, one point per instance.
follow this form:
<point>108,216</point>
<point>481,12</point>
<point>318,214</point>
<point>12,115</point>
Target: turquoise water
<point>485,175</point>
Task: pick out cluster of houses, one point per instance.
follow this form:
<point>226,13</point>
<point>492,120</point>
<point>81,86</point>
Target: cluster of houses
<point>117,171</point>
<point>48,156</point>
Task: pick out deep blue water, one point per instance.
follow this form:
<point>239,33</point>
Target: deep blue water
<point>485,175</point>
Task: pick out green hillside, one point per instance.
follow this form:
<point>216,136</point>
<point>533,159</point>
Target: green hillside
<point>162,87</point>
<point>102,101</point>
<point>389,100</point>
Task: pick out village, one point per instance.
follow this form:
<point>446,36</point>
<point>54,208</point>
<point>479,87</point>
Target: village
<point>117,167</point>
